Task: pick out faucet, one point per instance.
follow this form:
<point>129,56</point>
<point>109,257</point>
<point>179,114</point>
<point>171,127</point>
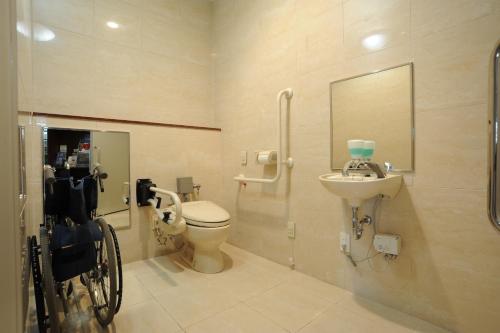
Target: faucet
<point>362,167</point>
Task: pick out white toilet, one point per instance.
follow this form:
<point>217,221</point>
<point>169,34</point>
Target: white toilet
<point>207,227</point>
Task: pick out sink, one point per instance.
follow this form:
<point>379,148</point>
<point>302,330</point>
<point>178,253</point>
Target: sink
<point>358,188</point>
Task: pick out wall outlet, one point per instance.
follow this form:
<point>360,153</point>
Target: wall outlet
<point>243,157</point>
<point>345,242</point>
<point>291,229</point>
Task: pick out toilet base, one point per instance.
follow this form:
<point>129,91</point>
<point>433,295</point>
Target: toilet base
<point>201,251</point>
<point>208,261</point>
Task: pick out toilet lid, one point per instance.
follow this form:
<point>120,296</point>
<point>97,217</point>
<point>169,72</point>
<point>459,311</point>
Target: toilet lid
<point>204,211</point>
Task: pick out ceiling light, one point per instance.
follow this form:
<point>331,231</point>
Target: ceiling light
<point>112,25</point>
<point>374,42</point>
<point>42,33</point>
<point>23,28</point>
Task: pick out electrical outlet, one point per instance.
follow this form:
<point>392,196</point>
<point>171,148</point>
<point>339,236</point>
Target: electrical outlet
<point>291,229</point>
<point>345,242</point>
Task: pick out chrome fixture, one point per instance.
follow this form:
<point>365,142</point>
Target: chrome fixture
<point>357,224</point>
<point>363,167</point>
<point>388,167</point>
<point>494,156</point>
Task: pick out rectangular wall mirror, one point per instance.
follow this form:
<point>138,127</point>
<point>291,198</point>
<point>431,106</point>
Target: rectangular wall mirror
<point>75,154</point>
<point>375,106</point>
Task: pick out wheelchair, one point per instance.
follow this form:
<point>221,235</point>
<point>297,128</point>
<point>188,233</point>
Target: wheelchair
<point>74,243</point>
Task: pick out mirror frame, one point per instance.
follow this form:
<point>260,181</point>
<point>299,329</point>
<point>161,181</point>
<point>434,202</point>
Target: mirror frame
<point>44,128</point>
<point>412,110</point>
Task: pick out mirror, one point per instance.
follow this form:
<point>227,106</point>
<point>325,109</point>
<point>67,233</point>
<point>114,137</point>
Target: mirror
<point>375,106</point>
<point>76,154</point>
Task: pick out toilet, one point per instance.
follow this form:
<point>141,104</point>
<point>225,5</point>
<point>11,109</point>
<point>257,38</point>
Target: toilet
<point>207,227</point>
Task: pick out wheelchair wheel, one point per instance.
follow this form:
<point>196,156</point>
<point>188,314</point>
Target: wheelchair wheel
<point>101,281</point>
<point>38,286</point>
<point>118,269</point>
<point>48,282</point>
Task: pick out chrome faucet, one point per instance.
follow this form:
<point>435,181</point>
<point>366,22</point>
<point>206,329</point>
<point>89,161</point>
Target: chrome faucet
<point>362,166</point>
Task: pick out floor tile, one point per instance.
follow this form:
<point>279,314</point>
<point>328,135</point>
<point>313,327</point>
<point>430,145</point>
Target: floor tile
<point>190,304</point>
<point>337,319</point>
<point>252,294</point>
<point>134,291</point>
<point>240,319</point>
<point>164,273</point>
<point>290,305</point>
<point>385,316</point>
<point>145,317</point>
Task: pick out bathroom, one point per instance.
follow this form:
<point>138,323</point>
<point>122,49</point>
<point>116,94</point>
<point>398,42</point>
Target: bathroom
<point>184,93</point>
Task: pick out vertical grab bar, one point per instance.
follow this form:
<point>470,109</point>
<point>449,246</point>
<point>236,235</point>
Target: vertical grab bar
<point>288,93</point>
<point>494,122</point>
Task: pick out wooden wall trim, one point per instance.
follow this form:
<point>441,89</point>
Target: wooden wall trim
<point>122,121</point>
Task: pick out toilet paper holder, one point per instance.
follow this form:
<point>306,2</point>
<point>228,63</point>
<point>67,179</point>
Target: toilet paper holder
<point>266,157</point>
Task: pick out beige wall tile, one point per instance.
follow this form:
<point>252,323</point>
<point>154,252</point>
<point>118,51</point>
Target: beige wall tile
<point>117,83</point>
<point>24,55</point>
<point>451,67</point>
<point>71,15</point>
<point>90,69</point>
<point>370,26</point>
<point>452,139</point>
<point>63,74</point>
<point>127,17</point>
<point>435,16</point>
<point>440,210</point>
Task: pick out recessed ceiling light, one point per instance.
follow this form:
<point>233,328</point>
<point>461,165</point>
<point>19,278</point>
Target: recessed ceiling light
<point>42,34</point>
<point>23,28</point>
<point>112,25</point>
<point>374,42</point>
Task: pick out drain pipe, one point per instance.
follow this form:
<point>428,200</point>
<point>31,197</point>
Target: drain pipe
<point>357,224</point>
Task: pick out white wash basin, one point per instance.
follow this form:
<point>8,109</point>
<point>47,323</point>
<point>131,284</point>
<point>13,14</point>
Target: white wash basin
<point>358,188</point>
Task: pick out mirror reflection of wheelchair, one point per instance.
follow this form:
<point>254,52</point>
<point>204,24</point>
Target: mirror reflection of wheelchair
<point>74,243</point>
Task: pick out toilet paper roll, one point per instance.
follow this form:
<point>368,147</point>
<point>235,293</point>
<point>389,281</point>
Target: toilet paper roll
<point>267,157</point>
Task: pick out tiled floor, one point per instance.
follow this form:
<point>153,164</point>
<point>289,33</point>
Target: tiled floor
<point>252,295</point>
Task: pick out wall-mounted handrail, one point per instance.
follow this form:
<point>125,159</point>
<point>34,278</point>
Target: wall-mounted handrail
<point>494,123</point>
<point>288,93</point>
<point>177,203</point>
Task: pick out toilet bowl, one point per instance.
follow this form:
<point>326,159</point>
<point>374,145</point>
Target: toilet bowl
<point>207,227</point>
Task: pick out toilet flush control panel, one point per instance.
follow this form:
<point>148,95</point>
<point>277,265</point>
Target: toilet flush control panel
<point>387,243</point>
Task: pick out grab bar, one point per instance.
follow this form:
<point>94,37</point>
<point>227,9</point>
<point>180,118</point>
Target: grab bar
<point>288,93</point>
<point>494,122</point>
<point>177,203</point>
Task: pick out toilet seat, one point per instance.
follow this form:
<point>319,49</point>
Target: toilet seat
<point>205,214</point>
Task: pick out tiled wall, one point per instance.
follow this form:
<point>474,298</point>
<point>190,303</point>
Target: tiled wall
<point>156,66</point>
<point>448,271</point>
<point>24,55</point>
